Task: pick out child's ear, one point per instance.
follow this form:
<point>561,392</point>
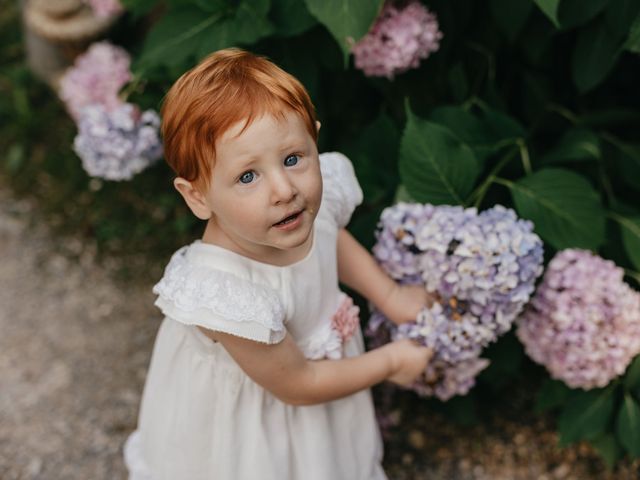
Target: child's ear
<point>318,125</point>
<point>194,198</point>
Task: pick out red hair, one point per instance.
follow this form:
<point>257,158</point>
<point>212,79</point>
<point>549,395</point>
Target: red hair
<point>227,87</point>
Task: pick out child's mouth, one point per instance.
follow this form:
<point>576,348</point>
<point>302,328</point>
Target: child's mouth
<point>290,219</point>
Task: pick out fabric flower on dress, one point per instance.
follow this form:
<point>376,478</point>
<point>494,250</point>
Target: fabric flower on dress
<point>583,323</point>
<point>95,78</point>
<point>105,8</point>
<point>346,320</point>
<point>400,38</point>
<point>480,268</point>
<point>117,144</point>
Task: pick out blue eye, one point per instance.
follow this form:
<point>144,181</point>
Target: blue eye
<point>291,160</point>
<point>247,177</point>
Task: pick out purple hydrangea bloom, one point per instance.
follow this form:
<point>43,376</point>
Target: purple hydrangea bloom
<point>480,268</point>
<point>400,38</point>
<point>117,144</point>
<point>583,323</point>
<point>95,78</point>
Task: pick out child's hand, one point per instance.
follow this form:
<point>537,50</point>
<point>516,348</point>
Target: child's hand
<point>408,361</point>
<point>404,302</point>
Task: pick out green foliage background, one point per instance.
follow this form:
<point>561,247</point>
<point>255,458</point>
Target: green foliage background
<point>532,104</point>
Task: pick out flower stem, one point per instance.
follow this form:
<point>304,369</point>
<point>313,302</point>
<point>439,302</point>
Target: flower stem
<point>524,155</point>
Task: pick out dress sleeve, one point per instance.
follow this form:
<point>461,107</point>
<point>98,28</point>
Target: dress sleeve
<point>220,301</point>
<point>341,190</point>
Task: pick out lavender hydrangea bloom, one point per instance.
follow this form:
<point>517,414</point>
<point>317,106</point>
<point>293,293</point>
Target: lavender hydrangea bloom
<point>583,324</point>
<point>399,39</point>
<point>117,144</point>
<point>480,268</point>
<point>96,77</point>
<point>445,380</point>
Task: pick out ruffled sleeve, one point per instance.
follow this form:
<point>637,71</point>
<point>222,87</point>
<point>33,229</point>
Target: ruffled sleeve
<point>200,295</point>
<point>341,190</point>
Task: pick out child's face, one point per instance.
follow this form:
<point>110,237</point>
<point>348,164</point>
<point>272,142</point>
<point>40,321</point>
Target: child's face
<point>266,188</point>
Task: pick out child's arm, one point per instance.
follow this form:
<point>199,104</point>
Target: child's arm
<point>284,371</point>
<point>358,270</point>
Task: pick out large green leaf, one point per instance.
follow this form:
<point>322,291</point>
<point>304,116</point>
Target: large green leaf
<point>595,54</point>
<point>632,375</point>
<point>552,394</point>
<point>347,20</point>
<point>609,449</point>
<point>375,157</point>
<point>576,145</point>
<point>511,15</point>
<point>246,25</point>
<point>586,415</point>
<point>572,13</point>
<point>177,36</point>
<point>485,133</point>
<point>628,425</point>
<point>435,166</point>
<point>550,9</point>
<point>291,17</point>
<point>628,162</point>
<point>633,41</point>
<point>620,15</point>
<point>631,237</point>
<point>564,207</point>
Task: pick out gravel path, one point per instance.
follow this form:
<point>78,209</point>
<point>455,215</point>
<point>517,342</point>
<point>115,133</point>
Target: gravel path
<point>75,342</point>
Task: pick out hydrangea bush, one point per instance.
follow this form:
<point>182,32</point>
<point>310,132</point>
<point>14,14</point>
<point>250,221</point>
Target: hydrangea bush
<point>426,99</point>
<point>481,270</point>
<point>401,37</point>
<point>583,324</point>
<point>119,143</point>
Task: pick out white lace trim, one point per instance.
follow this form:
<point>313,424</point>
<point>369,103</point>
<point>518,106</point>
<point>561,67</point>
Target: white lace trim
<point>342,193</point>
<point>189,288</point>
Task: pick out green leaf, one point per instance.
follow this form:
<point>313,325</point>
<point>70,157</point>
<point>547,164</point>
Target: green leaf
<point>630,236</point>
<point>564,207</point>
<point>176,37</point>
<point>375,157</point>
<point>511,15</point>
<point>586,415</point>
<point>247,25</point>
<point>595,54</point>
<point>620,15</point>
<point>435,166</point>
<point>573,13</point>
<point>632,375</point>
<point>550,9</point>
<point>484,133</point>
<point>552,394</point>
<point>633,41</point>
<point>139,7</point>
<point>628,426</point>
<point>347,20</point>
<point>608,448</point>
<point>576,145</point>
<point>462,410</point>
<point>291,17</point>
<point>628,162</point>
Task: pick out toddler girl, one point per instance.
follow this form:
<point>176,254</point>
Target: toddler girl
<point>258,370</point>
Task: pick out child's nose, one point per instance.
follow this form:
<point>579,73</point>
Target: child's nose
<point>283,189</point>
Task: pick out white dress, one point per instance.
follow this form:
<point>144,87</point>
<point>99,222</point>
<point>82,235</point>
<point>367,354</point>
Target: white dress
<point>202,417</point>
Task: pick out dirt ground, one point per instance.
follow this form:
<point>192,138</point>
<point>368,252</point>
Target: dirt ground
<point>75,341</point>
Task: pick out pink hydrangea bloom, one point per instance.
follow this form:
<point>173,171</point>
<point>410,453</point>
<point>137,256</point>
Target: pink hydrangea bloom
<point>96,78</point>
<point>400,38</point>
<point>105,8</point>
<point>583,323</point>
<point>346,320</point>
